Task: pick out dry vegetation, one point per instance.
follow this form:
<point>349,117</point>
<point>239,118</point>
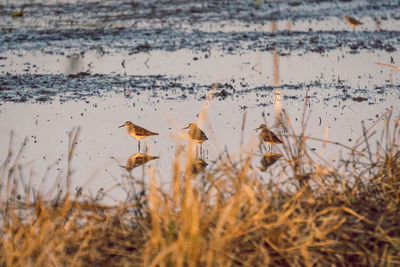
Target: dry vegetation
<point>311,214</point>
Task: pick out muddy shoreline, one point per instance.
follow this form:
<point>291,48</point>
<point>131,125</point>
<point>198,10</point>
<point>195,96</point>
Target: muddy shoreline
<point>69,29</point>
<point>80,86</point>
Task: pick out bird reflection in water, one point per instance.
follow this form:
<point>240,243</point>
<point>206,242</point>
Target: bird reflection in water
<point>138,159</point>
<point>268,160</point>
<point>197,166</point>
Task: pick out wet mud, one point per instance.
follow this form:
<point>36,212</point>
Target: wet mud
<point>145,40</point>
<point>155,88</point>
<point>231,27</point>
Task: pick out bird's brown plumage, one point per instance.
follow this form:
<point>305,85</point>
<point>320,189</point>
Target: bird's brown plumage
<point>196,134</point>
<point>137,132</point>
<point>352,21</point>
<point>268,136</point>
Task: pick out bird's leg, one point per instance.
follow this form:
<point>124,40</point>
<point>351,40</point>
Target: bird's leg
<point>139,146</point>
<point>201,150</point>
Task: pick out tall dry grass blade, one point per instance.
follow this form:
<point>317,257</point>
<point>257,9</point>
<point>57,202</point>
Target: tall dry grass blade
<point>366,141</point>
<point>72,142</point>
<point>242,134</point>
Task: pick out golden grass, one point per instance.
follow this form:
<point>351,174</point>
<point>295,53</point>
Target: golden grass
<point>312,214</point>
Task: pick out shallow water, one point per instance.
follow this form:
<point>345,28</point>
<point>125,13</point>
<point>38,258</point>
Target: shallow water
<point>158,64</point>
<point>103,146</point>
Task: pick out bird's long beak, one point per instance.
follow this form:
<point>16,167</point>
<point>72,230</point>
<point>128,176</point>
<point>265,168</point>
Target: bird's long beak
<point>185,128</point>
<point>121,126</point>
<point>257,129</point>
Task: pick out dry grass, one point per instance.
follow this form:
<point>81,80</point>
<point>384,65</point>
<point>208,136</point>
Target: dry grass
<point>311,214</point>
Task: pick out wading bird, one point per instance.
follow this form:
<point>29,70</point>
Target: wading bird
<point>197,135</point>
<point>352,22</point>
<point>137,131</point>
<point>268,137</point>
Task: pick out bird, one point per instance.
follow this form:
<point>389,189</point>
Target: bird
<point>268,160</point>
<point>138,159</point>
<point>196,134</point>
<point>268,136</point>
<point>137,131</point>
<point>352,21</point>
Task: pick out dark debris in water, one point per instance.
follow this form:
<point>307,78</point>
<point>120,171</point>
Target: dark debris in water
<point>44,87</point>
<point>172,25</point>
<point>360,99</point>
<point>80,86</point>
<point>169,39</point>
<point>112,13</point>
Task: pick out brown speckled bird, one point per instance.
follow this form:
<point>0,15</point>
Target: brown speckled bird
<point>196,134</point>
<point>268,136</point>
<point>352,21</point>
<point>137,131</point>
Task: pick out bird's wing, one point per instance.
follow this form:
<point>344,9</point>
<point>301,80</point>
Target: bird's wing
<point>140,131</point>
<point>270,136</point>
<point>197,134</point>
<point>203,135</point>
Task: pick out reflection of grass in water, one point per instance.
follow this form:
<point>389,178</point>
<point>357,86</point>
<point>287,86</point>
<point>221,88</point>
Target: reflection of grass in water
<point>393,67</point>
<point>312,214</point>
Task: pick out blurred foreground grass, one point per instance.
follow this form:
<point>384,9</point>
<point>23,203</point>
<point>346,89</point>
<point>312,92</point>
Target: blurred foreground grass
<point>310,214</point>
